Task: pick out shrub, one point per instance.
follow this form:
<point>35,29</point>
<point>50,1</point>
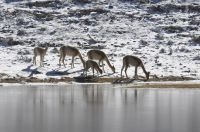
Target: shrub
<point>143,42</point>
<point>173,29</point>
<point>196,58</point>
<point>184,49</point>
<point>81,1</point>
<point>170,43</point>
<point>9,1</point>
<point>196,39</point>
<point>9,41</point>
<point>23,52</point>
<point>24,59</point>
<point>159,36</point>
<point>47,3</point>
<point>21,33</point>
<point>162,51</point>
<point>54,50</point>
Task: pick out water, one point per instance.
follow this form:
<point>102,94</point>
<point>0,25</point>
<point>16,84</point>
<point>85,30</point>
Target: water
<point>98,108</point>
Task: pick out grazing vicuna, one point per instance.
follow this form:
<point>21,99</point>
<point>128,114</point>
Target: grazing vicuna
<point>93,65</point>
<point>38,51</point>
<point>69,51</point>
<point>100,56</point>
<point>133,61</point>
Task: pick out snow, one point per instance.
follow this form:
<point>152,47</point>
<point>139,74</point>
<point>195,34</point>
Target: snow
<point>122,29</point>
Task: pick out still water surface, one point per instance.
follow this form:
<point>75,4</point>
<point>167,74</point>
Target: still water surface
<point>98,108</point>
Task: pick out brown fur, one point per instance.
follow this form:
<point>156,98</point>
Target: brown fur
<point>69,51</point>
<point>133,61</point>
<point>38,51</point>
<point>100,56</point>
<point>92,64</point>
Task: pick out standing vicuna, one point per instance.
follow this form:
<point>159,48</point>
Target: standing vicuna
<point>133,61</point>
<point>38,51</point>
<point>100,56</point>
<point>69,51</point>
<point>93,65</point>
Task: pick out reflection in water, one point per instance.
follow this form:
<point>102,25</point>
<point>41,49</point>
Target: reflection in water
<point>98,108</point>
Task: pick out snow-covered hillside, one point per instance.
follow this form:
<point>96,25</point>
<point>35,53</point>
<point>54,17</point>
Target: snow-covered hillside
<point>166,36</point>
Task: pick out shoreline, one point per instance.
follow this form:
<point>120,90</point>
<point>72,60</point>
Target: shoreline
<point>164,82</point>
<point>137,85</point>
<point>113,80</point>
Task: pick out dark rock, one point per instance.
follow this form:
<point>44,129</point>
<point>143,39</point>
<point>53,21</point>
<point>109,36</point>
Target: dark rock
<point>48,3</point>
<point>21,33</point>
<point>11,42</point>
<point>83,12</point>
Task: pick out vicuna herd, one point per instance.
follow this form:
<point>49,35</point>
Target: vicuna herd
<point>98,55</point>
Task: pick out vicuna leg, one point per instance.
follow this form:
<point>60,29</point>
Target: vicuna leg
<point>103,66</point>
<point>136,76</point>
<point>122,70</point>
<point>34,60</point>
<point>97,71</point>
<point>93,71</point>
<point>40,60</point>
<point>43,60</point>
<point>63,59</point>
<point>99,62</point>
<point>60,60</point>
<point>72,64</point>
<point>85,71</point>
<point>126,67</point>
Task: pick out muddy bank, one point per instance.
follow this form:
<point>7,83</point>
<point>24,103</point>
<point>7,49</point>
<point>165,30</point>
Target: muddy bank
<point>4,78</point>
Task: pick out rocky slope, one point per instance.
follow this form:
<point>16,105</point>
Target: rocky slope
<point>164,35</point>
